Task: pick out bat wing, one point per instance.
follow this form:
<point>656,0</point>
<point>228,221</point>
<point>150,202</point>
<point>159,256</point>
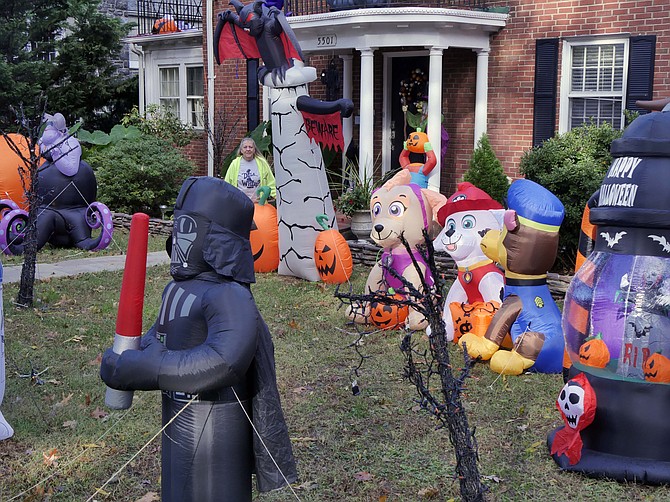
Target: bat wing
<point>232,42</point>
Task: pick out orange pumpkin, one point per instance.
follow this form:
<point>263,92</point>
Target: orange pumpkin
<point>164,25</point>
<point>657,368</point>
<point>265,238</point>
<point>387,315</point>
<point>332,254</point>
<point>472,317</point>
<point>416,141</point>
<point>594,352</point>
<point>10,179</point>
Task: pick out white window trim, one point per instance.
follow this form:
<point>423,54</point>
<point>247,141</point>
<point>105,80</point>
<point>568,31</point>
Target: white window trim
<point>566,74</point>
<point>184,113</point>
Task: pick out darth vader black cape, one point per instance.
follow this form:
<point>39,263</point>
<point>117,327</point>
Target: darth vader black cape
<point>209,347</point>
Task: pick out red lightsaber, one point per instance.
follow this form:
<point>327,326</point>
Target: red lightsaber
<point>131,303</point>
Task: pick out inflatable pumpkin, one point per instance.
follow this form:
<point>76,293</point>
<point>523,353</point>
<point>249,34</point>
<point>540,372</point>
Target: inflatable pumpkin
<point>265,238</point>
<point>416,141</point>
<point>657,368</point>
<point>472,317</point>
<point>389,315</point>
<point>165,25</point>
<point>594,352</point>
<point>332,254</point>
<point>10,180</point>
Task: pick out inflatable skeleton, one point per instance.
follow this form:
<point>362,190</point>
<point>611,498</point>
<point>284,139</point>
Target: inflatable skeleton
<point>256,31</point>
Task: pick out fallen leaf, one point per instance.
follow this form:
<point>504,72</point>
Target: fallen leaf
<point>51,457</point>
<point>148,497</point>
<point>70,424</point>
<point>382,498</point>
<point>493,478</point>
<point>96,361</point>
<point>363,476</point>
<point>428,493</point>
<point>92,445</point>
<point>534,446</point>
<point>308,485</point>
<point>98,413</point>
<point>293,324</point>
<point>87,399</point>
<point>63,402</point>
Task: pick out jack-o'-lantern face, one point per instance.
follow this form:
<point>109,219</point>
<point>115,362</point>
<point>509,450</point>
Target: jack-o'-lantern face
<point>332,257</point>
<point>594,353</point>
<point>657,368</point>
<point>388,316</point>
<point>416,141</point>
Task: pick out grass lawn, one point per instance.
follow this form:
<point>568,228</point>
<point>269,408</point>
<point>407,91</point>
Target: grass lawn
<point>376,446</point>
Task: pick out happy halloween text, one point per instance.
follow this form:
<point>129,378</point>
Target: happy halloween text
<point>620,194</point>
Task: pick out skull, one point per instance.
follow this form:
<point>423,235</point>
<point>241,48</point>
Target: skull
<point>571,403</point>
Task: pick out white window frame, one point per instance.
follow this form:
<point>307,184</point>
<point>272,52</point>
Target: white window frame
<point>564,122</point>
<point>185,100</point>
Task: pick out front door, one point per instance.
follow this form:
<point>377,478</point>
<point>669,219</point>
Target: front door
<point>409,85</point>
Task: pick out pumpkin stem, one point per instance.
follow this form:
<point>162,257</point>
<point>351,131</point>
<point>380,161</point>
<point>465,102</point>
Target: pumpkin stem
<point>263,193</point>
<point>322,219</point>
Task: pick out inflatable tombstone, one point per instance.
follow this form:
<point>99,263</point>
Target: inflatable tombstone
<point>211,355</point>
<point>616,316</point>
<point>299,123</point>
<point>67,190</point>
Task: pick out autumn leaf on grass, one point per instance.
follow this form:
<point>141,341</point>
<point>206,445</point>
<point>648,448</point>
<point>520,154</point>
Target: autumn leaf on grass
<point>98,413</point>
<point>96,361</point>
<point>51,457</point>
<point>428,493</point>
<point>148,497</point>
<point>363,476</point>
<point>293,324</point>
<point>70,424</point>
<point>63,402</point>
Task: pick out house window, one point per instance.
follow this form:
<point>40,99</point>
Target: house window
<point>182,93</point>
<point>593,84</point>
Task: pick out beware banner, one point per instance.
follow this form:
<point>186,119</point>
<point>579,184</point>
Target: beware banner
<point>325,129</point>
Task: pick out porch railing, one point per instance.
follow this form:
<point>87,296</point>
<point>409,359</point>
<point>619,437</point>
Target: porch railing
<point>188,13</point>
<point>305,7</point>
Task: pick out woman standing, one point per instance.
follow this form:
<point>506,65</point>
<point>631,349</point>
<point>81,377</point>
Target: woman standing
<point>250,170</point>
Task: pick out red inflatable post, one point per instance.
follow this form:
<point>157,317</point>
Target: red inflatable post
<point>131,303</point>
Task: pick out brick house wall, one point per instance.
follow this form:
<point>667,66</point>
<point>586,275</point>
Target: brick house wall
<point>511,74</point>
<point>512,60</point>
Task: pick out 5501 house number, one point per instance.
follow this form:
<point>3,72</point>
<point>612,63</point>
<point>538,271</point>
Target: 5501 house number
<point>326,41</point>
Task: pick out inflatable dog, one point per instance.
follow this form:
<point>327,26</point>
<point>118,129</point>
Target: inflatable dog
<point>526,248</point>
<point>399,209</point>
<point>468,214</point>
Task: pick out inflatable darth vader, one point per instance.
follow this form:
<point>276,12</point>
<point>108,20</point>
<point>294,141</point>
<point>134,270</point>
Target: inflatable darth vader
<point>211,355</point>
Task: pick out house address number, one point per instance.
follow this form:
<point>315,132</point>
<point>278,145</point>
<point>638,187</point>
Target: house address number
<point>326,41</point>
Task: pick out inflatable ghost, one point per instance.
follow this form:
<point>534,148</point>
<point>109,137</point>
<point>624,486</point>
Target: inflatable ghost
<point>399,208</point>
<point>6,430</point>
<point>67,190</point>
<point>468,214</point>
<point>253,31</point>
<point>526,248</point>
<point>616,315</point>
<point>211,355</point>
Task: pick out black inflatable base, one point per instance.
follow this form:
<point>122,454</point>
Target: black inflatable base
<point>608,466</point>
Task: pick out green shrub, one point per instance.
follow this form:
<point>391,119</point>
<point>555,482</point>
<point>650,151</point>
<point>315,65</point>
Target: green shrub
<point>486,171</point>
<point>139,174</point>
<point>572,166</point>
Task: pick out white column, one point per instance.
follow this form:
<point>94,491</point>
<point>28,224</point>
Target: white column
<point>347,93</point>
<point>435,112</point>
<point>366,126</point>
<point>481,93</point>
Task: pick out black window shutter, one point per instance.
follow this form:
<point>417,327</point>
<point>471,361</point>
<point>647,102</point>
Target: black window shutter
<point>544,98</point>
<point>640,85</point>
